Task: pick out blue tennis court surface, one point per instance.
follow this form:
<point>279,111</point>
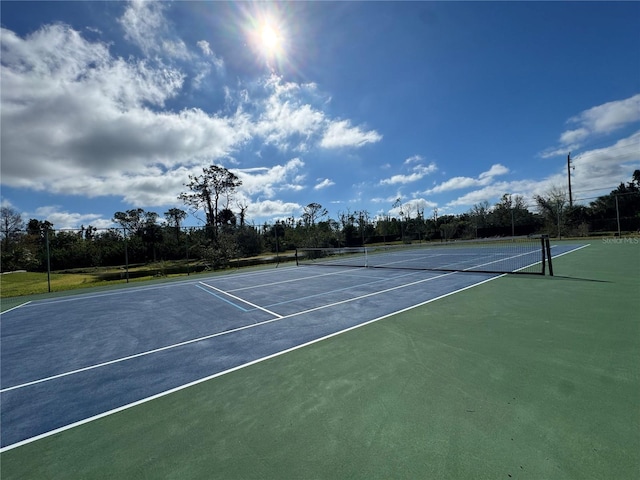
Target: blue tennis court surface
<point>68,360</point>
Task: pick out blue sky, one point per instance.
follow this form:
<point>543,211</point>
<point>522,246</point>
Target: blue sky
<point>108,106</point>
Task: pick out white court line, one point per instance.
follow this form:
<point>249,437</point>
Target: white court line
<point>278,317</point>
<point>569,251</point>
<point>17,306</point>
<point>504,259</point>
<point>240,299</point>
<point>239,367</point>
<point>208,337</point>
<point>127,289</point>
<point>310,277</point>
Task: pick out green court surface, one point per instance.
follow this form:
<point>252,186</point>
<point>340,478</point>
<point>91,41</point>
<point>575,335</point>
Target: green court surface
<point>521,377</point>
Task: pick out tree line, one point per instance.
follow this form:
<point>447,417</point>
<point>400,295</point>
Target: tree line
<point>144,236</point>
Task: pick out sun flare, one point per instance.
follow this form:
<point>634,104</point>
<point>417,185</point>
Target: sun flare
<point>270,38</point>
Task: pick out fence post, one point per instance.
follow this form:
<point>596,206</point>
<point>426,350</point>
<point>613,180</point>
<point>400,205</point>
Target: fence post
<point>186,236</point>
<point>46,236</point>
<point>126,254</point>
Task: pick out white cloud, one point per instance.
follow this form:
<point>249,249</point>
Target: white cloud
<point>272,208</point>
<point>63,220</point>
<point>418,172</point>
<point>77,120</point>
<point>205,47</point>
<point>573,136</point>
<point>323,184</point>
<point>562,150</point>
<point>596,121</point>
<point>341,134</point>
<point>283,119</point>
<point>267,181</point>
<point>413,207</point>
<point>144,25</point>
<point>289,120</point>
<point>494,191</point>
<point>596,172</point>
<point>609,116</point>
<point>414,159</point>
<point>606,167</point>
<point>458,183</point>
<point>494,171</point>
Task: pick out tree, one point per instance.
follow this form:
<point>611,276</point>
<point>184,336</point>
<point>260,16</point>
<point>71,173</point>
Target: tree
<point>131,220</point>
<point>243,206</point>
<point>175,217</point>
<point>622,203</point>
<point>551,206</point>
<point>448,226</point>
<point>10,224</point>
<point>38,228</point>
<point>206,191</point>
<point>226,218</point>
<point>479,215</point>
<point>150,232</point>
<point>312,213</point>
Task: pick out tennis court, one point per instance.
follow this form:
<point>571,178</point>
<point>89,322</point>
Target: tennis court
<point>71,364</point>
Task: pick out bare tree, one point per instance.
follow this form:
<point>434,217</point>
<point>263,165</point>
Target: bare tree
<point>312,213</point>
<point>551,206</point>
<point>243,206</point>
<point>10,224</point>
<point>207,190</point>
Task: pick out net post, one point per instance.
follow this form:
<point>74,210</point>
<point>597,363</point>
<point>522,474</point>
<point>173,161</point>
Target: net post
<point>548,249</point>
<point>544,255</point>
<point>296,256</point>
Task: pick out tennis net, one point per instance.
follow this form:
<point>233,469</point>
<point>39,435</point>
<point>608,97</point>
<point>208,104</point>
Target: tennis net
<point>528,254</point>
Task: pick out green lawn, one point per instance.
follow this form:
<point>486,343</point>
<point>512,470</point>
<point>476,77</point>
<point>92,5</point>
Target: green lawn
<point>522,377</point>
<point>30,283</point>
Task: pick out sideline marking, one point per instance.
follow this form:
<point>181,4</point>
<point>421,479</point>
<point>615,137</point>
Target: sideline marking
<point>213,335</point>
<point>280,282</point>
<point>238,367</point>
<point>351,287</point>
<point>17,306</point>
<point>570,251</point>
<point>278,317</point>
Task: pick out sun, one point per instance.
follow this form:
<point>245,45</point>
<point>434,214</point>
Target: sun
<point>270,38</point>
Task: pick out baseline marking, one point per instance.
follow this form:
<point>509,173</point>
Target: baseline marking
<point>279,317</point>
<point>208,337</point>
<point>236,368</point>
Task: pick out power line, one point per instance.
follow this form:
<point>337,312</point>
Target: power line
<point>612,194</point>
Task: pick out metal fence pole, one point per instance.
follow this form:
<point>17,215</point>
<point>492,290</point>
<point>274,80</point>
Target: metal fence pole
<point>46,236</point>
<point>126,255</point>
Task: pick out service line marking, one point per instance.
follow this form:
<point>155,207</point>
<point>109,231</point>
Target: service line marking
<point>238,367</point>
<point>240,299</point>
<point>213,335</point>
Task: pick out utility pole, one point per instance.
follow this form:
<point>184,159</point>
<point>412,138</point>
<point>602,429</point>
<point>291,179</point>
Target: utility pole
<point>569,176</point>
